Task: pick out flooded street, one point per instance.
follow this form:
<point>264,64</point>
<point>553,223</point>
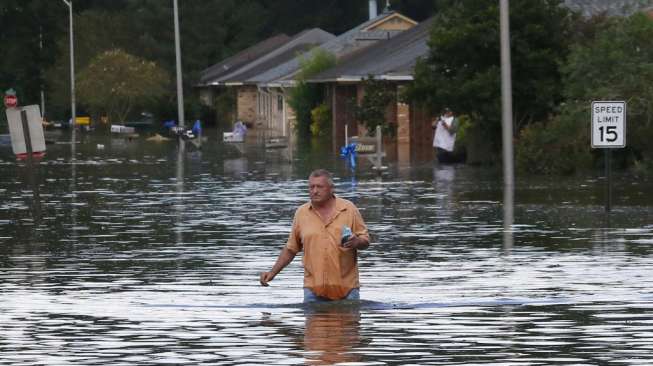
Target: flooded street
<point>126,255</point>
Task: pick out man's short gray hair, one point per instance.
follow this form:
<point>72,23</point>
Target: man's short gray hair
<point>322,173</point>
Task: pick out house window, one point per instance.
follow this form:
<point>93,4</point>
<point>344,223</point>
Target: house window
<point>279,103</point>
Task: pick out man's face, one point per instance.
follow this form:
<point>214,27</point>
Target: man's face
<point>319,189</point>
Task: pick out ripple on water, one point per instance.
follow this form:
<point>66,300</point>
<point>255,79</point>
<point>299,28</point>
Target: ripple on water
<point>138,266</point>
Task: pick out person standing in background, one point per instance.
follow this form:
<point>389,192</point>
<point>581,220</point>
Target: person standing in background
<point>444,138</point>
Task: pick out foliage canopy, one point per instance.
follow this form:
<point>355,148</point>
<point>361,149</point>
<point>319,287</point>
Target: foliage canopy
<point>116,82</point>
<point>463,70</point>
<point>613,62</point>
<point>617,65</point>
<point>373,108</point>
<point>304,97</point>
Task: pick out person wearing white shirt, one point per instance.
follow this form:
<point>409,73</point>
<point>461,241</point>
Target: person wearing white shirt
<point>445,136</point>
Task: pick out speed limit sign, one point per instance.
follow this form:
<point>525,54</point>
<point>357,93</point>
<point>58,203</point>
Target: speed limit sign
<point>608,124</point>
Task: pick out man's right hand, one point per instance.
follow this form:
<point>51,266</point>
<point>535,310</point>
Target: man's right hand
<point>265,278</point>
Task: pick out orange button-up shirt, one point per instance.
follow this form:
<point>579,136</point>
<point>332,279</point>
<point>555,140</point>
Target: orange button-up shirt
<point>330,270</point>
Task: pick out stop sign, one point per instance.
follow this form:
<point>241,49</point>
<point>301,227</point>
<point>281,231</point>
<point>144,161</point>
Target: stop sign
<point>11,101</point>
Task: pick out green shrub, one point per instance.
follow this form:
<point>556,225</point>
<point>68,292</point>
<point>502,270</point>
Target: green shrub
<point>616,65</point>
<point>321,120</point>
<point>225,108</point>
<point>372,111</point>
<point>305,96</point>
<point>559,146</point>
<point>464,125</point>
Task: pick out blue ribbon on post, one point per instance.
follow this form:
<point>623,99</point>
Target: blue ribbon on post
<point>348,152</point>
<point>197,128</point>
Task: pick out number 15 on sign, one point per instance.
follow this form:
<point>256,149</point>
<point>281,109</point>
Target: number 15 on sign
<point>608,124</point>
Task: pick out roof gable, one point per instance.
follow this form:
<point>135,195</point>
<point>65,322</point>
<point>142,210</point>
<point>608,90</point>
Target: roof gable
<point>392,22</point>
<point>392,59</point>
<point>359,37</point>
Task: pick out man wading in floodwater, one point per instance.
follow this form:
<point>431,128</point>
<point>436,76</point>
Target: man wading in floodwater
<point>330,230</point>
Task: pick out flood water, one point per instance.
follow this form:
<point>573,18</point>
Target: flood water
<point>128,255</point>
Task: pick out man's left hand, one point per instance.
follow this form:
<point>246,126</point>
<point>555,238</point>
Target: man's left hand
<point>355,243</point>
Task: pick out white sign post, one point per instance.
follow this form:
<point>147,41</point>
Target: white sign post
<point>608,132</point>
<point>20,132</point>
<point>608,124</point>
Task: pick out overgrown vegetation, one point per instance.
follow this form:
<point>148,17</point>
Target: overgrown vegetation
<point>373,109</point>
<point>224,106</point>
<point>35,38</point>
<point>321,121</point>
<point>116,83</point>
<point>462,69</point>
<point>614,63</point>
<point>617,64</point>
<point>304,97</point>
<point>557,146</point>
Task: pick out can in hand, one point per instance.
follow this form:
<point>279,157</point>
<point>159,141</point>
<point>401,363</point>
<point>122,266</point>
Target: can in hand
<point>346,234</point>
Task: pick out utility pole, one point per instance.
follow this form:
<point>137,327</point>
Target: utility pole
<point>180,90</point>
<point>506,123</point>
<point>506,95</point>
<point>73,112</point>
<point>41,71</point>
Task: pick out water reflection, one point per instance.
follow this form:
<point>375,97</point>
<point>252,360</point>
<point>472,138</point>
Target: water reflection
<point>33,182</point>
<point>179,185</point>
<point>331,333</point>
<point>508,215</point>
<point>168,245</point>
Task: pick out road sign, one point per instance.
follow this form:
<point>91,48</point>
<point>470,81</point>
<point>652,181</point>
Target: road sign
<point>18,133</point>
<point>608,124</point>
<point>11,101</point>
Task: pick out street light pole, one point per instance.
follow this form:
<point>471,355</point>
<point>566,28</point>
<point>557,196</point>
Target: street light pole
<point>73,117</point>
<point>180,90</point>
<point>73,112</point>
<point>506,99</point>
<point>506,94</point>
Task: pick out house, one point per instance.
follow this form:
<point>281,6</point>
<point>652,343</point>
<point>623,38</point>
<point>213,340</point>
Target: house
<point>209,89</point>
<point>248,103</point>
<point>274,83</point>
<point>262,83</point>
<point>392,60</point>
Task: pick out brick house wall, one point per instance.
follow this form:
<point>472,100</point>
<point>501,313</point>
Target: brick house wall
<point>421,134</point>
<point>246,105</point>
<point>342,113</point>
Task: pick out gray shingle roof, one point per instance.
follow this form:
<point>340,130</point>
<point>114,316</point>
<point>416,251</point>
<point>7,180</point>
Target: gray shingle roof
<point>300,42</point>
<point>241,58</point>
<point>590,8</point>
<point>394,58</point>
<point>289,54</point>
<point>350,41</point>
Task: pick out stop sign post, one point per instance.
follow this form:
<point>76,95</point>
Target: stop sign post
<point>11,101</point>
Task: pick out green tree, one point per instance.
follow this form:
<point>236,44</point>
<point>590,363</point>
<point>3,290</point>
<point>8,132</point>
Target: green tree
<point>116,82</point>
<point>373,109</point>
<point>559,146</point>
<point>96,31</point>
<point>304,97</point>
<point>617,64</point>
<point>29,31</point>
<point>321,120</point>
<point>462,69</point>
<point>211,30</point>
